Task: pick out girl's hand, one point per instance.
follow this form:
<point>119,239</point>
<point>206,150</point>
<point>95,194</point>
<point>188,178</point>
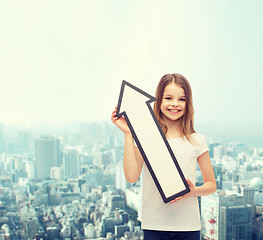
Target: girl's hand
<point>120,122</point>
<point>190,194</point>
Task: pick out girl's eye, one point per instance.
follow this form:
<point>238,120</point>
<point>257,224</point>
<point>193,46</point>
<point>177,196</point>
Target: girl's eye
<point>182,99</point>
<point>168,98</point>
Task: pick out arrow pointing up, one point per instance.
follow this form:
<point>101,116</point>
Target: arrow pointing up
<point>135,105</point>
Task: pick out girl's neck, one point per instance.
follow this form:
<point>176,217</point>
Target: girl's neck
<point>174,129</point>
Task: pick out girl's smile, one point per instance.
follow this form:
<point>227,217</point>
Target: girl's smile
<point>174,110</point>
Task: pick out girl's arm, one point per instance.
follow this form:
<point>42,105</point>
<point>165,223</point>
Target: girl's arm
<point>207,171</point>
<point>132,159</point>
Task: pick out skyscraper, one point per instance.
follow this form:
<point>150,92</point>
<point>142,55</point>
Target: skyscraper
<point>120,180</point>
<point>225,216</point>
<point>235,222</point>
<point>48,154</point>
<point>71,163</point>
<point>218,152</point>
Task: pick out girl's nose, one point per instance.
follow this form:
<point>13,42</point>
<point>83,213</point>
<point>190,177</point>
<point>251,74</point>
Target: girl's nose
<point>174,103</point>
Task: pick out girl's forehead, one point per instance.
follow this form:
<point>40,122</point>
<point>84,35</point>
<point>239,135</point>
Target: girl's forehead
<point>173,88</point>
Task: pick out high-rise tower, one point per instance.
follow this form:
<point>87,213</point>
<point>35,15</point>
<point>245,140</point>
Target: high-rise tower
<point>48,154</point>
<point>225,216</point>
<point>71,163</point>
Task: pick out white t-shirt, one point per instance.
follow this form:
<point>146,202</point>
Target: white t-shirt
<point>182,215</point>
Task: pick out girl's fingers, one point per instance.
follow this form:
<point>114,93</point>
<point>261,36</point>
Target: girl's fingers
<point>177,199</point>
<point>114,112</point>
<point>113,116</point>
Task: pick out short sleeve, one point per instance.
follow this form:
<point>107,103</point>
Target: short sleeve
<point>203,145</point>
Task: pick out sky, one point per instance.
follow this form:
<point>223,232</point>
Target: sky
<point>64,61</point>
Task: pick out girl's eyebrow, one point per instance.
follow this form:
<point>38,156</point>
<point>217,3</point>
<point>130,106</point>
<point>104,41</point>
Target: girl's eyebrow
<point>169,95</point>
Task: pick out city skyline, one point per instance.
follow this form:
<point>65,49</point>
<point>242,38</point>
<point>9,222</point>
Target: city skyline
<point>81,192</point>
<point>64,61</point>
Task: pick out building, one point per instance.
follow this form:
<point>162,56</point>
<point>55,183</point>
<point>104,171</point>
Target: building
<point>30,169</point>
<point>57,173</point>
<point>89,230</point>
<point>47,154</point>
<point>235,222</point>
<point>120,180</point>
<point>121,229</point>
<point>133,198</point>
<point>258,223</point>
<point>31,227</point>
<point>211,148</point>
<point>71,163</point>
<point>116,201</point>
<point>108,225</point>
<point>224,216</point>
<point>218,152</point>
<point>218,170</point>
<point>249,194</point>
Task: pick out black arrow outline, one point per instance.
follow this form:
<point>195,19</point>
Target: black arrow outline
<point>151,99</point>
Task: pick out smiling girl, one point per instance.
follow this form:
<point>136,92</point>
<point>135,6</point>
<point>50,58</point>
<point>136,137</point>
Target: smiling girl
<point>174,110</point>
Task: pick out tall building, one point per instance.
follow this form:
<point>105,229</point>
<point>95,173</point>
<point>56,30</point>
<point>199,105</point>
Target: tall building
<point>31,227</point>
<point>218,152</point>
<point>225,216</point>
<point>218,170</point>
<point>133,199</point>
<point>120,180</point>
<point>248,193</point>
<point>211,148</point>
<point>235,222</point>
<point>47,154</point>
<point>30,169</point>
<point>71,164</point>
<point>258,224</point>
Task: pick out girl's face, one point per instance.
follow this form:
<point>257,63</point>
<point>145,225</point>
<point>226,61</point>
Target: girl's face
<point>173,102</point>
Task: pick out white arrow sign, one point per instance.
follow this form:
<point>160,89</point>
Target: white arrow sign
<point>135,105</point>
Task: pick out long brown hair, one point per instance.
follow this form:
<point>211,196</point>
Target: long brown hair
<point>187,120</point>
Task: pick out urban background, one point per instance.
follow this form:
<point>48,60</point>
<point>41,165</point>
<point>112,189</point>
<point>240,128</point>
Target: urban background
<point>61,67</point>
<point>68,183</point>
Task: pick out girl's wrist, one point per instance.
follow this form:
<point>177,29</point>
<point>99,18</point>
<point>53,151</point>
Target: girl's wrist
<point>127,134</point>
<point>195,191</point>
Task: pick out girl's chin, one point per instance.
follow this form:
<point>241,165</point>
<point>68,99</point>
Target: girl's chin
<point>171,118</point>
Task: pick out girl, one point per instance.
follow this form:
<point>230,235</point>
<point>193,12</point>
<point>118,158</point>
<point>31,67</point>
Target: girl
<point>179,219</point>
